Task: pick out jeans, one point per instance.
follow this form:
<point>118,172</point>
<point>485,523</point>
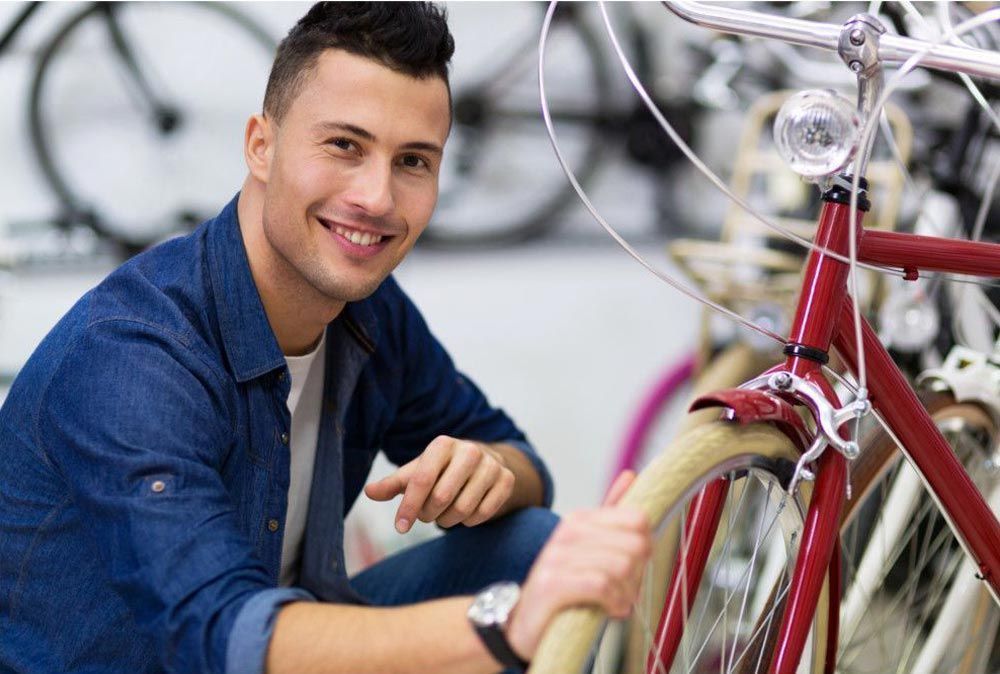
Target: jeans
<point>463,561</point>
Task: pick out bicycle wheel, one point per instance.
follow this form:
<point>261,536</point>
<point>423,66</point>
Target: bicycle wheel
<point>911,601</point>
<point>126,119</point>
<point>496,187</point>
<point>734,613</point>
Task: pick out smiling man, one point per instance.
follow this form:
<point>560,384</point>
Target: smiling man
<point>180,451</point>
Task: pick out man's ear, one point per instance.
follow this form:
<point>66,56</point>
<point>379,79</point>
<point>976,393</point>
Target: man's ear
<point>258,146</point>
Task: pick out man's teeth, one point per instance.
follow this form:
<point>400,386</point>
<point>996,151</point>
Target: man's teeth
<point>360,238</point>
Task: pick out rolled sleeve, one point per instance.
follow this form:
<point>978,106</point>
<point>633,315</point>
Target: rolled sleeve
<point>252,629</point>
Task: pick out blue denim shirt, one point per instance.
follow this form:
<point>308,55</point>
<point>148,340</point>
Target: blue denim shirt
<point>145,465</point>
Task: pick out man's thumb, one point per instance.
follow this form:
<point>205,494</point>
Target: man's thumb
<point>385,489</point>
<point>619,487</point>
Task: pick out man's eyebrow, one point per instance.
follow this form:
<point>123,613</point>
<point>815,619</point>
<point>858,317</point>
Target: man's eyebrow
<point>329,127</point>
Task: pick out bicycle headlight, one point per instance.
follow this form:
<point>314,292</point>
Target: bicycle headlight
<point>816,132</point>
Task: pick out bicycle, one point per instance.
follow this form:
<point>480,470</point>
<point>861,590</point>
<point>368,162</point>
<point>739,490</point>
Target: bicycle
<point>797,465</point>
<point>494,190</point>
<point>102,73</point>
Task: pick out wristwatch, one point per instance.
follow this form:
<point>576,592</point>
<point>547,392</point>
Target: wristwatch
<point>488,614</point>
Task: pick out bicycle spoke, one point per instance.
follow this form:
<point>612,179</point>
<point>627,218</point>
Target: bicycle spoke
<point>753,561</point>
<point>731,595</point>
<point>718,567</point>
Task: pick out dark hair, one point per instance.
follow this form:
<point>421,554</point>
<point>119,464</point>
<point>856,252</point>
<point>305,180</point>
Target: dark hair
<point>408,37</point>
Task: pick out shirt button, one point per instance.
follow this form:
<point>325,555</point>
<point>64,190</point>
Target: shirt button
<point>158,486</point>
<point>281,376</point>
<point>284,438</point>
<point>272,525</point>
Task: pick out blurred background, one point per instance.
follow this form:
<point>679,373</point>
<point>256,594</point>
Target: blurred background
<point>123,124</point>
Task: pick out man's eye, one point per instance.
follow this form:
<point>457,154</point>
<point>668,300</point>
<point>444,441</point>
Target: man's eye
<point>342,143</point>
<point>414,161</point>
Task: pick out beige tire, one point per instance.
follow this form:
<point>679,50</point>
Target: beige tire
<point>756,451</point>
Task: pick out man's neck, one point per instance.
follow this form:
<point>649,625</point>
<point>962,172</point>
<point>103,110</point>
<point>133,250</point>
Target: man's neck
<point>297,313</point>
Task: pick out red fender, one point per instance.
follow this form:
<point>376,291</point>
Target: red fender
<point>746,406</point>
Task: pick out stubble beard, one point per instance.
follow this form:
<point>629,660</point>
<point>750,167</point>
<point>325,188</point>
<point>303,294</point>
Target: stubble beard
<point>304,265</point>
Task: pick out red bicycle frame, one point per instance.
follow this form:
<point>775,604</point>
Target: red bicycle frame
<point>824,319</point>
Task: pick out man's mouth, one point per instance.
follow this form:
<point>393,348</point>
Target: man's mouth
<point>355,236</point>
<point>360,238</point>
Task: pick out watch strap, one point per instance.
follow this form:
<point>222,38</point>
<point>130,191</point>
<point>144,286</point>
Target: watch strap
<point>498,646</point>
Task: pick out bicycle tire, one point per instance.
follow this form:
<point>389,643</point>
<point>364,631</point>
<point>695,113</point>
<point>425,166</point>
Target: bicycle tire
<point>689,463</point>
<point>456,226</point>
<point>874,479</point>
<point>730,367</point>
<point>76,208</point>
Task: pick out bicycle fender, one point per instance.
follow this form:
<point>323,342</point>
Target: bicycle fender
<point>745,406</point>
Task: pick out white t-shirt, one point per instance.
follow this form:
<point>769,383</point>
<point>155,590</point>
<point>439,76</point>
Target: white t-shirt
<point>304,402</point>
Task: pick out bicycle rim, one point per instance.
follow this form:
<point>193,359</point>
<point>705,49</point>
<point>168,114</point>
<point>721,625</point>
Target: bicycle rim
<point>150,181</point>
<point>911,602</point>
<point>494,190</point>
<point>730,619</point>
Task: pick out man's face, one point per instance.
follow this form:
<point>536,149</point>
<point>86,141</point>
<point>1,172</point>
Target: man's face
<point>352,175</point>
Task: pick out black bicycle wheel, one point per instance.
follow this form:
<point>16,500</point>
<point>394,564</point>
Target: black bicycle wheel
<point>500,183</point>
<point>126,119</point>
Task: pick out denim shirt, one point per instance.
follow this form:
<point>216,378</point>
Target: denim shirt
<point>145,462</point>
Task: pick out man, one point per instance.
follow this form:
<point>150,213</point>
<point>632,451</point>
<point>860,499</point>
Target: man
<point>181,449</point>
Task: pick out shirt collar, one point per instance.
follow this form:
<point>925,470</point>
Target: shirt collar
<point>246,334</point>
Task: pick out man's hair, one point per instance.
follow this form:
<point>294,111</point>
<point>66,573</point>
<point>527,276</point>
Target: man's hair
<point>409,37</point>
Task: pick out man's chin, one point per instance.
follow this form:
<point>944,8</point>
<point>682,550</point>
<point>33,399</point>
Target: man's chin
<point>351,292</point>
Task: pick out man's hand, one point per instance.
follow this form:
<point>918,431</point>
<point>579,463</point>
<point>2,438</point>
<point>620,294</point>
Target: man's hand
<point>594,557</point>
<point>451,482</point>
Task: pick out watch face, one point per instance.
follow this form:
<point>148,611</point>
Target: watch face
<point>494,604</point>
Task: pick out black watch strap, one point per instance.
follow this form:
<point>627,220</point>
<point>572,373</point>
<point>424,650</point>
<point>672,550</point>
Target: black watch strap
<point>499,648</point>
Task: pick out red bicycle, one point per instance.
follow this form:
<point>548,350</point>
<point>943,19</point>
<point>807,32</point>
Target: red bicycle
<point>749,510</point>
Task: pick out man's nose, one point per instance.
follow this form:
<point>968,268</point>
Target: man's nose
<point>371,190</point>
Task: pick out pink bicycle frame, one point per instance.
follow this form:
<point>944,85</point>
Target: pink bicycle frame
<point>824,319</point>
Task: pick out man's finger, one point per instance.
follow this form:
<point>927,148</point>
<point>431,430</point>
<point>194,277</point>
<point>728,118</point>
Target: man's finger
<point>468,500</point>
<point>456,478</point>
<point>427,467</point>
<point>619,487</point>
<point>491,503</point>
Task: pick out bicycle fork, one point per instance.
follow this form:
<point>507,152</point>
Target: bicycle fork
<point>824,289</point>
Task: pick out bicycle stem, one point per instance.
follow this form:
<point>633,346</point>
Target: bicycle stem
<point>858,48</point>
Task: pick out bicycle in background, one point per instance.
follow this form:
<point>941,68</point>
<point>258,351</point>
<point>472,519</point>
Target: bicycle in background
<point>125,115</point>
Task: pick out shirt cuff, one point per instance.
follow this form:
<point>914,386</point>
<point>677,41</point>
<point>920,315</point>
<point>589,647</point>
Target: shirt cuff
<point>548,489</point>
<point>252,629</point>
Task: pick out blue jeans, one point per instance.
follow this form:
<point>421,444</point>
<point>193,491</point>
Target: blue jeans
<point>463,561</point>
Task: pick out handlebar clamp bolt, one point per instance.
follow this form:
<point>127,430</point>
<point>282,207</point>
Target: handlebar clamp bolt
<point>857,66</point>
<point>857,37</point>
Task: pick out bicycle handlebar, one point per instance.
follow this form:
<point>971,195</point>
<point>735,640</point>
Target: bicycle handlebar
<point>892,48</point>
